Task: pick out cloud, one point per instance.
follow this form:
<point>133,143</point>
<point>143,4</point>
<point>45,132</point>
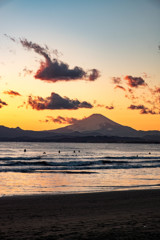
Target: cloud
<point>27,71</point>
<point>61,120</point>
<point>2,103</point>
<point>11,38</point>
<point>100,105</point>
<point>120,87</point>
<point>37,48</point>
<point>137,90</point>
<point>134,107</point>
<point>22,105</point>
<point>93,74</point>
<point>55,101</point>
<point>12,93</point>
<point>109,107</point>
<point>145,75</point>
<point>116,80</point>
<point>156,90</point>
<point>135,82</point>
<point>55,70</point>
<point>131,94</point>
<point>142,108</point>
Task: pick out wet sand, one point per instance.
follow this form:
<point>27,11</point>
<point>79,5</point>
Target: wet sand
<point>110,215</point>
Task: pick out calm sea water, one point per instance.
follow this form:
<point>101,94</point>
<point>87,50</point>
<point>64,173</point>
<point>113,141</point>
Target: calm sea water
<point>59,168</point>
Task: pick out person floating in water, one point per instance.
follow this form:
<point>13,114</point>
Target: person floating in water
<point>25,150</point>
<point>59,151</point>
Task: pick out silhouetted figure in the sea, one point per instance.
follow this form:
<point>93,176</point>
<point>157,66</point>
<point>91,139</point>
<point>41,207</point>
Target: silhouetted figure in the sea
<point>59,151</point>
<point>44,152</point>
<point>149,153</point>
<point>25,150</point>
<point>74,151</point>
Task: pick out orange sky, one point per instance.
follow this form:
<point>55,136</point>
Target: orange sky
<point>65,67</point>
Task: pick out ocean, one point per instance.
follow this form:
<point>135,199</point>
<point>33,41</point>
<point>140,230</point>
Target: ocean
<point>60,168</point>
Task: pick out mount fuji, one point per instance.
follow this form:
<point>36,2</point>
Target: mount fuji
<point>97,124</point>
<point>95,128</point>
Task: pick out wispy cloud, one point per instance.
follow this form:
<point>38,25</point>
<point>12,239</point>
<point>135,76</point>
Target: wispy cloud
<point>55,101</point>
<point>2,103</point>
<point>109,107</point>
<point>12,93</point>
<point>60,120</point>
<point>100,105</point>
<point>155,90</point>
<point>142,108</point>
<point>120,87</point>
<point>116,80</point>
<point>138,90</point>
<point>9,37</point>
<point>27,71</point>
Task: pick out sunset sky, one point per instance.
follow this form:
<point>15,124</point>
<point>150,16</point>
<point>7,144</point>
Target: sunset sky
<point>63,60</point>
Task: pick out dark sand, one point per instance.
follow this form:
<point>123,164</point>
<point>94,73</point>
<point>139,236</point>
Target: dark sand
<point>113,215</point>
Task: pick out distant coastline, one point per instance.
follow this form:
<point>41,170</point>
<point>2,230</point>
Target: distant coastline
<point>94,129</point>
<point>84,139</point>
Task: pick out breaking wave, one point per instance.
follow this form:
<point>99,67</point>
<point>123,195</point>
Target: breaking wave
<point>82,163</point>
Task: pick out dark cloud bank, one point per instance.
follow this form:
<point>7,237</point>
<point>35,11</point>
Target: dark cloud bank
<point>135,82</point>
<point>55,101</point>
<point>55,70</point>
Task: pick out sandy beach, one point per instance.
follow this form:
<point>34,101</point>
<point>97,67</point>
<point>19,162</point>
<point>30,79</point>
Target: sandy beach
<point>110,215</point>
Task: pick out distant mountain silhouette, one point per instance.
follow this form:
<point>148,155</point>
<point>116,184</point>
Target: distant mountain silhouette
<point>98,124</point>
<point>96,128</point>
<point>18,133</point>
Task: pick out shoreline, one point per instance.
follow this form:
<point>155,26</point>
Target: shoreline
<point>51,194</point>
<point>131,141</point>
<point>132,214</point>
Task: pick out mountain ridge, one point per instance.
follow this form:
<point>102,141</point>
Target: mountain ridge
<point>98,124</point>
<point>96,128</point>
